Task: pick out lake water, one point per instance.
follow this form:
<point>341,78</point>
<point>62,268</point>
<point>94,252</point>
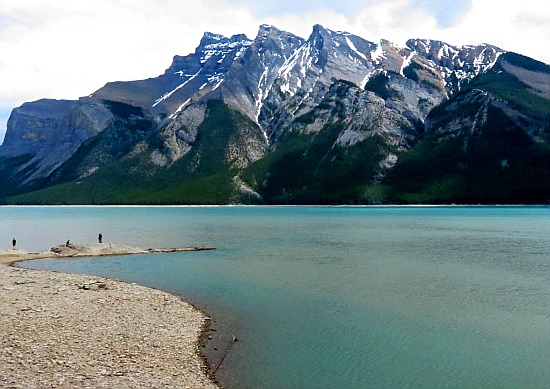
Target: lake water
<point>336,297</point>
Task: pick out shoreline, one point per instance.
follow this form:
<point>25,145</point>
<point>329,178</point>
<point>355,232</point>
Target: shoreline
<point>71,330</point>
<point>276,205</point>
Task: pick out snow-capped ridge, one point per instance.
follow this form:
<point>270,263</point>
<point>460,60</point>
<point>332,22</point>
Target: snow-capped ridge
<point>278,74</point>
<point>209,38</point>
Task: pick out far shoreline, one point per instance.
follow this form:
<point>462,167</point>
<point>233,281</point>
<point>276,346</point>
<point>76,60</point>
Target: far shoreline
<point>276,205</point>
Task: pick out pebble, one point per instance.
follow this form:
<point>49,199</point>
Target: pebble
<point>75,331</point>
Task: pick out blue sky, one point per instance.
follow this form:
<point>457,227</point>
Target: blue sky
<point>446,12</point>
<point>65,49</point>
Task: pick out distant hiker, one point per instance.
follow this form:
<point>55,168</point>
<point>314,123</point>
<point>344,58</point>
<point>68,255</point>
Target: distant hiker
<point>100,238</point>
<point>13,243</point>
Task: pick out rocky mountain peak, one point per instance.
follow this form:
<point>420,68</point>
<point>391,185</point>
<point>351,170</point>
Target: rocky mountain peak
<point>482,55</point>
<point>268,29</point>
<point>285,42</point>
<point>476,58</point>
<point>209,39</point>
<point>319,30</point>
<point>218,46</point>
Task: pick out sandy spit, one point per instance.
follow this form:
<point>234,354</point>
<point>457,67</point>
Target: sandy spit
<point>73,331</point>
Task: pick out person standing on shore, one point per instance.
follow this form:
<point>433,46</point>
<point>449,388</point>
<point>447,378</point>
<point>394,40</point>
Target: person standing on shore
<point>13,243</point>
<point>100,238</point>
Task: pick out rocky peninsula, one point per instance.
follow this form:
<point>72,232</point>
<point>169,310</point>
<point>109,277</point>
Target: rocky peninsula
<point>69,250</point>
<point>76,331</point>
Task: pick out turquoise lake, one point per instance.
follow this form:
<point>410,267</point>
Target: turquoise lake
<point>336,297</point>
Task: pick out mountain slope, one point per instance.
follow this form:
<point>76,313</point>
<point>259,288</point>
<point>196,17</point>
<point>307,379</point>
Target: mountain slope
<point>487,144</point>
<point>188,78</point>
<point>280,119</point>
<point>134,172</point>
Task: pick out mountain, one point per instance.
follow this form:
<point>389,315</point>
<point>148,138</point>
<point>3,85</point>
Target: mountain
<point>332,119</point>
<point>489,143</point>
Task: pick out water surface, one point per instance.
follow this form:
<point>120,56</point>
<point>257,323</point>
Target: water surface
<point>337,297</point>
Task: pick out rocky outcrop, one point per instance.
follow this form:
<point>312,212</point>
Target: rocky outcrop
<point>47,133</point>
<point>69,250</point>
<point>179,135</point>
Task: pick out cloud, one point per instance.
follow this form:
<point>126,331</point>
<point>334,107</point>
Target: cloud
<point>82,42</point>
<point>394,20</point>
<point>447,13</point>
<point>519,26</point>
<point>69,48</point>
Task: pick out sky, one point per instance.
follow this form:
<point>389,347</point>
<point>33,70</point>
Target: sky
<point>64,49</point>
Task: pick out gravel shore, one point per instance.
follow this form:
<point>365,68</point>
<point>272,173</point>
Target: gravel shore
<point>73,331</point>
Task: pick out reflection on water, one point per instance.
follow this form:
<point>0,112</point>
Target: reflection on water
<point>334,297</point>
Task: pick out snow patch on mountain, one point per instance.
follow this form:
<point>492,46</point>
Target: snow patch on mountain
<point>180,108</point>
<point>222,49</point>
<point>352,46</point>
<point>262,91</point>
<point>167,95</point>
<point>406,62</point>
<point>378,53</point>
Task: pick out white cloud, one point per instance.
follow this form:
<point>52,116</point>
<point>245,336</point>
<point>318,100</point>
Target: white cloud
<point>394,21</point>
<point>521,26</point>
<point>70,48</point>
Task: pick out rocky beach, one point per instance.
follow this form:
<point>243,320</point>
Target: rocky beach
<point>75,331</point>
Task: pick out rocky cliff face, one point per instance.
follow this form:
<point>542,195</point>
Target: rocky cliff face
<point>281,116</point>
<point>33,124</point>
<point>46,133</point>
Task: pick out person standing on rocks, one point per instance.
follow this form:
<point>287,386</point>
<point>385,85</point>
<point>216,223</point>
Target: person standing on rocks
<point>100,238</point>
<point>13,243</point>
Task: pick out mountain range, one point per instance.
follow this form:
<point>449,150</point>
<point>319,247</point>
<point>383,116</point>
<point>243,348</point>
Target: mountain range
<point>332,119</point>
